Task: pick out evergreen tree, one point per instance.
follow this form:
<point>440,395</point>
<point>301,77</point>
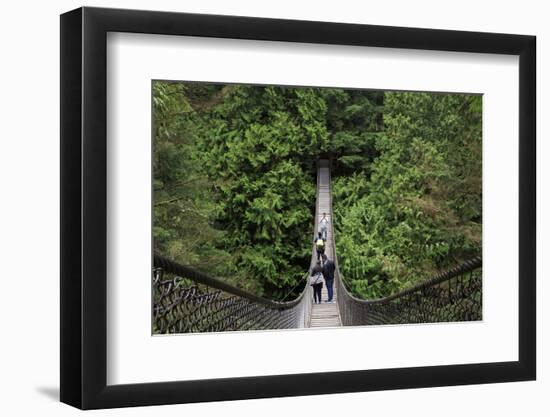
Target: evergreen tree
<point>234,182</point>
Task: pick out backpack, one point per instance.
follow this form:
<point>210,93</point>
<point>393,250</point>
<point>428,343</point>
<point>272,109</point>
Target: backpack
<point>320,244</point>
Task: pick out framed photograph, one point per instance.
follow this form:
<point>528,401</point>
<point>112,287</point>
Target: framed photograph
<point>257,207</point>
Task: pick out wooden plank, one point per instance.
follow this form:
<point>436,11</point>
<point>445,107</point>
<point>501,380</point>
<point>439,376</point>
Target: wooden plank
<point>325,314</point>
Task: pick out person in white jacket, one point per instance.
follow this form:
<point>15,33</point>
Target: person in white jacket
<point>323,226</point>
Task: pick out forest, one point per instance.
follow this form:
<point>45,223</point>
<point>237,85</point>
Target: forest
<point>234,171</point>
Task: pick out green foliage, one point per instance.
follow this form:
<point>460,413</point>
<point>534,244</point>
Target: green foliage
<point>234,182</point>
<point>184,208</point>
<point>418,209</point>
<point>260,154</point>
<point>354,121</point>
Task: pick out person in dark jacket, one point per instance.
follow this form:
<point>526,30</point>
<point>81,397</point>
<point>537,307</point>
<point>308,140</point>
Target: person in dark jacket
<point>328,274</point>
<point>316,281</point>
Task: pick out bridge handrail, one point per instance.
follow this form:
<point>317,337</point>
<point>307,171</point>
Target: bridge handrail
<point>172,267</point>
<point>467,266</point>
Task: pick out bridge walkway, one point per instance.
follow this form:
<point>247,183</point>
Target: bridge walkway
<point>325,314</point>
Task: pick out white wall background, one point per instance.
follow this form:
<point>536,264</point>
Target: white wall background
<point>29,225</point>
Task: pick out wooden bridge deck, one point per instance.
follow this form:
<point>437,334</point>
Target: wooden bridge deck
<point>326,314</point>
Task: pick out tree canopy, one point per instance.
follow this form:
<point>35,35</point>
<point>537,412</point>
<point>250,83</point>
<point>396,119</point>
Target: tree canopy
<point>234,182</point>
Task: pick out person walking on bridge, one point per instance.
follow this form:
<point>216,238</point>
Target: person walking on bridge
<point>328,273</point>
<point>316,281</point>
<point>323,226</point>
<point>319,246</point>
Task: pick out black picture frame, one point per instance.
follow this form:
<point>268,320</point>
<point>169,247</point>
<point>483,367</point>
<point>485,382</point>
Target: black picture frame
<point>84,207</point>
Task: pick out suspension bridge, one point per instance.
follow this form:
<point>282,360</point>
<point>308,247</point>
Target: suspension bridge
<point>186,300</point>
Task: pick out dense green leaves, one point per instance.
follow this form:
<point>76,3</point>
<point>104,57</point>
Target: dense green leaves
<point>260,154</point>
<point>234,182</point>
<point>184,207</point>
<point>418,207</point>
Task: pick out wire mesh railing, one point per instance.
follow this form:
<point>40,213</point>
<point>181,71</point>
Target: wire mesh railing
<point>451,296</point>
<point>188,301</point>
